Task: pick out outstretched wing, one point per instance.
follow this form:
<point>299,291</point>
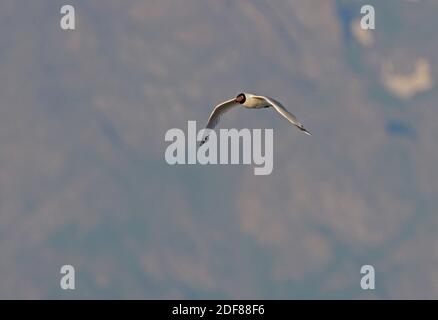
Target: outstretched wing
<point>218,111</point>
<point>289,116</point>
<point>216,114</point>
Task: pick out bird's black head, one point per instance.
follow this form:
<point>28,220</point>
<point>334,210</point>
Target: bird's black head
<point>241,98</point>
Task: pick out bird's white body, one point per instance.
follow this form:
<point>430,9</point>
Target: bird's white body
<point>255,102</point>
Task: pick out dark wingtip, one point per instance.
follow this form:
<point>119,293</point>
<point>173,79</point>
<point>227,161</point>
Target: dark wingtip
<point>203,141</point>
<point>306,131</point>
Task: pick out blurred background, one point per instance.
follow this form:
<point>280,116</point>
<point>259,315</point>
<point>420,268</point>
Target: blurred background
<point>83,180</point>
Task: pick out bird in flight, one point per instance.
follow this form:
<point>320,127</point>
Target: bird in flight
<point>250,101</point>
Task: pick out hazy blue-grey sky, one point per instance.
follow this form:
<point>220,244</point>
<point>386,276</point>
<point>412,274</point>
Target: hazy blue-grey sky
<point>83,180</point>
